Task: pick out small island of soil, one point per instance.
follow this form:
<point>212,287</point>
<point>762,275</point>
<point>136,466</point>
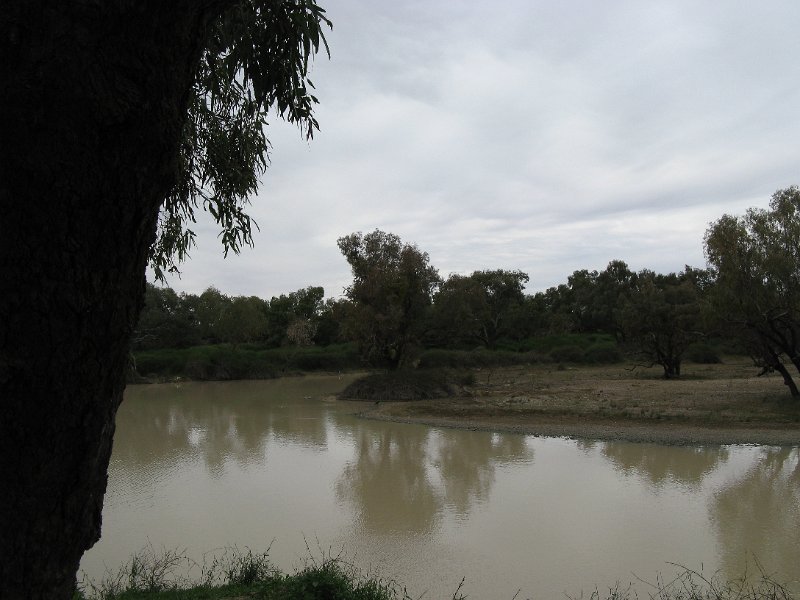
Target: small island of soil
<point>710,404</point>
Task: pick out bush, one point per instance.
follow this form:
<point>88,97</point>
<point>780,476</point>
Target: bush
<point>570,354</point>
<point>472,359</point>
<point>703,354</point>
<point>603,353</point>
<point>248,361</point>
<point>406,385</point>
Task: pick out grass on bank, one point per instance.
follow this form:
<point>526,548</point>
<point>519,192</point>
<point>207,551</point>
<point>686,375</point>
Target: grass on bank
<point>235,575</point>
<point>240,575</point>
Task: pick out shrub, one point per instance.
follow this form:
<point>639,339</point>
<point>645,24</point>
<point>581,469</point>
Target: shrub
<point>570,354</point>
<point>471,359</point>
<point>603,353</point>
<point>406,385</point>
<point>702,353</point>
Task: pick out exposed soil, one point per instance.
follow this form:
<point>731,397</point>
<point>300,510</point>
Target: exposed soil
<point>709,404</point>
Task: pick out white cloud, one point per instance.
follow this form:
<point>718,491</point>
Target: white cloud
<point>546,137</point>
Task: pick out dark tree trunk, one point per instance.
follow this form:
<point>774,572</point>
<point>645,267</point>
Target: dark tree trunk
<point>92,102</point>
<point>772,362</point>
<point>787,379</point>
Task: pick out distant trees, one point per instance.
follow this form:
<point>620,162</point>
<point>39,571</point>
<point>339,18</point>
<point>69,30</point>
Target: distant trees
<point>397,304</point>
<point>756,263</point>
<point>294,315</point>
<point>478,308</point>
<point>242,320</point>
<point>661,318</point>
<point>171,320</point>
<point>166,321</point>
<point>590,301</point>
<point>393,285</point>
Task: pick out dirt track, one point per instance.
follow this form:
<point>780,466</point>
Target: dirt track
<point>710,404</point>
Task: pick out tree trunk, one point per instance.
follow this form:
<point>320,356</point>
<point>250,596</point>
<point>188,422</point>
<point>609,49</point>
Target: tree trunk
<point>92,105</point>
<point>787,379</point>
<point>773,362</point>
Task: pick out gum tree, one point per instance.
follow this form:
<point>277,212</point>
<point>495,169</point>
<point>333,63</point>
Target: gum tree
<point>479,307</point>
<point>756,261</point>
<point>661,317</point>
<point>393,284</point>
<point>118,120</point>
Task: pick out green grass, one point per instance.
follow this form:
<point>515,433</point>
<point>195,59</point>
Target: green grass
<point>236,575</point>
<point>240,575</point>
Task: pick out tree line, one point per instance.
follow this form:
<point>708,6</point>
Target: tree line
<point>398,305</point>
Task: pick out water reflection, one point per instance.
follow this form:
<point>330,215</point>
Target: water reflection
<point>467,464</point>
<point>205,465</point>
<point>403,477</point>
<point>388,483</point>
<point>757,515</point>
<point>659,464</point>
<point>164,426</point>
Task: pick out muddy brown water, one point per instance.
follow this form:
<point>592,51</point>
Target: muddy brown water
<point>198,467</point>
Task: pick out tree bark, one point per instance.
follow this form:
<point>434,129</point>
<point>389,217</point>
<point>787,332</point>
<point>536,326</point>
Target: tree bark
<point>92,104</point>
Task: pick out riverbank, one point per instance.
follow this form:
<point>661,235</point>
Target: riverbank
<point>711,404</point>
<point>246,575</point>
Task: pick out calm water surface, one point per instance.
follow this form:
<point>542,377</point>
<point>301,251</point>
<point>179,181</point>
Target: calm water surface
<point>201,466</point>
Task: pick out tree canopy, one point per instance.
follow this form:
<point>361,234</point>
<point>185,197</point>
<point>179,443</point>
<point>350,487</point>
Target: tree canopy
<point>478,307</point>
<point>661,317</point>
<point>393,285</point>
<point>756,262</point>
<point>256,59</point>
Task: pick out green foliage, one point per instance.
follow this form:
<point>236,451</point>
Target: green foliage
<point>294,318</point>
<point>167,320</point>
<point>146,574</point>
<point>245,568</point>
<point>593,348</point>
<point>256,59</point>
<point>662,318</point>
<point>756,260</point>
<point>479,307</point>
<point>236,574</point>
<point>603,353</point>
<point>589,301</point>
<point>242,320</point>
<point>224,362</point>
<point>392,287</point>
<point>171,320</point>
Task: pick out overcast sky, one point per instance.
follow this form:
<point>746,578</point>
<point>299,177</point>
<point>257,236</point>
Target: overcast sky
<point>535,135</point>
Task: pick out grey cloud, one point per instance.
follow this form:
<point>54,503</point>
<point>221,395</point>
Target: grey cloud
<point>541,136</point>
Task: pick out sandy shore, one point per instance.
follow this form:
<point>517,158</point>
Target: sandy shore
<point>667,434</point>
<point>711,404</point>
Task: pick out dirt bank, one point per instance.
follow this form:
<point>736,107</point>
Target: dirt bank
<point>710,404</point>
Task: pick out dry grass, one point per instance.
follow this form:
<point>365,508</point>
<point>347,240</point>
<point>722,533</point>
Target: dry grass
<point>618,400</point>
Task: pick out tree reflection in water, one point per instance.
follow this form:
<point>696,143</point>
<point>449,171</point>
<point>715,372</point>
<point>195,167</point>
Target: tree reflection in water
<point>687,465</point>
<point>405,477</point>
<point>169,424</point>
<point>757,517</point>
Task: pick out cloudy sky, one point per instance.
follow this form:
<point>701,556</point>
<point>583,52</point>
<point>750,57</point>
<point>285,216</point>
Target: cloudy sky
<point>530,134</point>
